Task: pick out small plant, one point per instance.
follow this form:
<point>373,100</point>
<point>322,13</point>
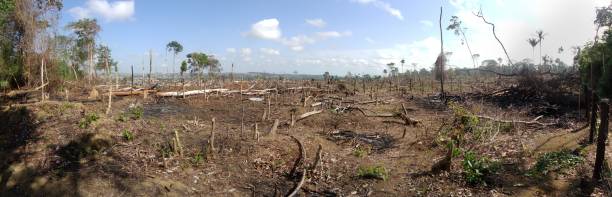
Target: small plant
<point>372,172</point>
<point>166,150</point>
<point>137,112</point>
<point>123,117</point>
<point>198,158</point>
<point>88,120</point>
<point>555,161</point>
<point>360,152</point>
<point>127,135</point>
<point>477,169</point>
<point>468,121</point>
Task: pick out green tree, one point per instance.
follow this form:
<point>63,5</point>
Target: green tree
<point>176,48</point>
<point>86,31</point>
<point>197,63</point>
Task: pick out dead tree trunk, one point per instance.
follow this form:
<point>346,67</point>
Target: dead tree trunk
<point>601,140</point>
<point>593,118</point>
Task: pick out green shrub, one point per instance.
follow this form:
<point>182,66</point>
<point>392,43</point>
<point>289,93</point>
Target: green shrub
<point>137,112</point>
<point>88,120</point>
<point>360,152</point>
<point>555,161</point>
<point>467,119</point>
<point>477,169</point>
<point>372,172</point>
<point>127,135</point>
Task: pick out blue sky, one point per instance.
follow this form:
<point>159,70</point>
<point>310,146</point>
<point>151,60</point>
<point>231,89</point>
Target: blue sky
<point>339,36</point>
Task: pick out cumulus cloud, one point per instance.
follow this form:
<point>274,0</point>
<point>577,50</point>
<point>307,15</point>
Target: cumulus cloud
<point>269,29</point>
<point>320,23</point>
<point>266,29</point>
<point>269,51</point>
<point>231,50</point>
<point>384,6</point>
<point>110,11</point>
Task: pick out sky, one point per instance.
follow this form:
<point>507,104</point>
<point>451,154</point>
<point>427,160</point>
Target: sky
<point>336,36</point>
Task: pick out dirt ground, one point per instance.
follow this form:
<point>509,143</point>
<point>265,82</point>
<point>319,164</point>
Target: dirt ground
<point>61,148</point>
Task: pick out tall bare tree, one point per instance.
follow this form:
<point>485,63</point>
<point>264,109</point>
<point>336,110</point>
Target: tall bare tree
<point>459,30</point>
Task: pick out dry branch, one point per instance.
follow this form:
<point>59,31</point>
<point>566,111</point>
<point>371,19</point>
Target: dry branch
<point>299,162</point>
<point>531,122</point>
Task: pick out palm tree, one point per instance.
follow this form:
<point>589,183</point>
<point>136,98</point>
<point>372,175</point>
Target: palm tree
<point>86,31</point>
<point>533,42</point>
<point>540,34</point>
<point>402,61</point>
<point>175,48</point>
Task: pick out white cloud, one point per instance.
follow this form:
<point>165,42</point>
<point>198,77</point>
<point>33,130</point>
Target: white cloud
<point>269,29</point>
<point>384,6</point>
<point>426,23</point>
<point>297,43</point>
<point>266,29</point>
<point>320,23</point>
<point>370,40</point>
<point>569,24</point>
<point>246,51</point>
<point>110,11</point>
<point>333,34</point>
<point>231,50</point>
<point>269,51</point>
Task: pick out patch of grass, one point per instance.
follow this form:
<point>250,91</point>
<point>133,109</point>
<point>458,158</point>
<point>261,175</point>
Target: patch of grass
<point>127,135</point>
<point>476,169</point>
<point>555,161</point>
<point>88,120</point>
<point>372,172</point>
<point>360,152</point>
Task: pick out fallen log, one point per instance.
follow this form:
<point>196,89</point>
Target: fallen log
<point>307,114</point>
<point>191,92</point>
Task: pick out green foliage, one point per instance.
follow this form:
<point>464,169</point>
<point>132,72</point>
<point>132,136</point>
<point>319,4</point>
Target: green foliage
<point>198,158</point>
<point>88,120</point>
<point>136,112</point>
<point>174,47</point>
<point>197,61</point>
<point>477,169</point>
<point>183,67</point>
<point>127,135</point>
<point>165,150</point>
<point>105,60</point>
<point>467,120</point>
<point>372,172</point>
<point>555,161</point>
<point>360,152</point>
